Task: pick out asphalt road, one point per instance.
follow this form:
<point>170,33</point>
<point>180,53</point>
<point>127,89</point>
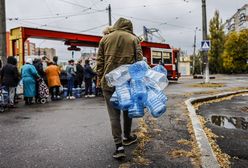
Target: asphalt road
<point>58,134</point>
<point>76,133</point>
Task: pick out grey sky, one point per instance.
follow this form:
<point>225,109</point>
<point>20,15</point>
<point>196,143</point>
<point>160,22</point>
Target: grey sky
<point>176,19</point>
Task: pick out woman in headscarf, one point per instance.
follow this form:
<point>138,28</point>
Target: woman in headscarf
<point>29,77</point>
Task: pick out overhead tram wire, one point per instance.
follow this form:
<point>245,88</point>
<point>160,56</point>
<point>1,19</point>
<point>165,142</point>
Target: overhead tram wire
<point>57,17</point>
<point>93,28</point>
<point>75,4</point>
<point>153,5</point>
<point>153,21</point>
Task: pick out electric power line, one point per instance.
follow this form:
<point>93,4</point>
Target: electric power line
<point>153,21</point>
<point>93,28</point>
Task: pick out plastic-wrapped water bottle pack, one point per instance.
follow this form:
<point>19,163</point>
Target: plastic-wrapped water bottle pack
<point>138,87</point>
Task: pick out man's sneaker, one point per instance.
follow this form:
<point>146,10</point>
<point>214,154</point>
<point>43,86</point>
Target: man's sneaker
<point>92,95</point>
<point>86,96</point>
<point>129,140</point>
<point>68,97</point>
<point>119,153</point>
<point>72,97</point>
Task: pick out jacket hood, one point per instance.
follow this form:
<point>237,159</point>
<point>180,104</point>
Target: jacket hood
<point>123,24</point>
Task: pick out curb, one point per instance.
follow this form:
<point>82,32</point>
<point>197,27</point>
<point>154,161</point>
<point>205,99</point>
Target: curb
<point>208,158</point>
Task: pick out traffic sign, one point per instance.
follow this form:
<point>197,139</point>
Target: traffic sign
<point>205,45</point>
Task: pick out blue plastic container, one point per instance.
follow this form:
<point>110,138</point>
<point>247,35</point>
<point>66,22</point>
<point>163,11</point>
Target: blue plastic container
<point>114,101</point>
<point>74,92</point>
<point>138,90</point>
<point>78,92</point>
<point>161,69</point>
<point>154,104</point>
<point>65,92</point>
<point>138,69</point>
<point>136,111</point>
<point>124,96</point>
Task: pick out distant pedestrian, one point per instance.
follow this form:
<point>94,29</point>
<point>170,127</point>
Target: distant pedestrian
<point>53,78</point>
<point>115,49</point>
<point>79,74</point>
<point>70,78</point>
<point>89,74</point>
<point>39,67</point>
<point>10,79</point>
<point>107,30</point>
<point>29,78</point>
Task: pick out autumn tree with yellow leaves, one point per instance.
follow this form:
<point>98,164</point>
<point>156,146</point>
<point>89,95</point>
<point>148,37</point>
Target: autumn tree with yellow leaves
<point>235,56</point>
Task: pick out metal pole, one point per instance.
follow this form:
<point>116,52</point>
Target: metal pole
<point>3,54</point>
<point>145,33</point>
<point>204,36</point>
<point>109,14</point>
<point>193,71</point>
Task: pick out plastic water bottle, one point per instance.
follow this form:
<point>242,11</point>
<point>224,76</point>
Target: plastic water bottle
<point>78,92</point>
<point>65,91</point>
<point>114,101</point>
<point>74,92</point>
<point>138,70</point>
<point>138,90</point>
<point>161,69</point>
<point>118,76</point>
<point>136,110</point>
<point>158,77</point>
<point>124,96</point>
<point>154,105</point>
<point>154,86</point>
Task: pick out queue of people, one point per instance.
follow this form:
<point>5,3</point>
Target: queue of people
<point>32,71</point>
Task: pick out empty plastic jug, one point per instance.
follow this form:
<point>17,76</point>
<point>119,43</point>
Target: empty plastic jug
<point>138,69</point>
<point>138,90</point>
<point>161,69</point>
<point>154,105</point>
<point>65,92</point>
<point>124,96</point>
<point>114,101</point>
<point>74,92</point>
<point>78,92</point>
<point>158,77</point>
<point>136,110</point>
<point>118,76</point>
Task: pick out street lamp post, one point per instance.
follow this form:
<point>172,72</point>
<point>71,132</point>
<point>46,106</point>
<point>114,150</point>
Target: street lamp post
<point>204,37</point>
<point>3,54</point>
<point>194,55</point>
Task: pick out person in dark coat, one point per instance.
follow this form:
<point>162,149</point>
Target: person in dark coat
<point>10,79</point>
<point>88,76</point>
<point>39,67</point>
<point>70,78</point>
<point>79,74</point>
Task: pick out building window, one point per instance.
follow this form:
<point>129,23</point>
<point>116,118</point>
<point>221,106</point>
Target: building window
<point>167,56</point>
<point>156,57</point>
<point>164,55</point>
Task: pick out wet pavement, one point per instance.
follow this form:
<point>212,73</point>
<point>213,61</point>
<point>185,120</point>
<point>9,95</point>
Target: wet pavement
<point>76,133</point>
<point>58,134</point>
<point>229,121</point>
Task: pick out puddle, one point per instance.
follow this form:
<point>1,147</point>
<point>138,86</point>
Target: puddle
<point>230,122</point>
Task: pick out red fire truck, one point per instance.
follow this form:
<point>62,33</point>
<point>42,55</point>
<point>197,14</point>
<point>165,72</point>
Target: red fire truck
<point>154,52</point>
<point>160,52</point>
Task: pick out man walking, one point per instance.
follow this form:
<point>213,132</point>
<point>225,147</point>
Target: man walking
<point>119,47</point>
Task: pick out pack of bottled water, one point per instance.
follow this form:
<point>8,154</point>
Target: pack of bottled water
<point>137,86</point>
